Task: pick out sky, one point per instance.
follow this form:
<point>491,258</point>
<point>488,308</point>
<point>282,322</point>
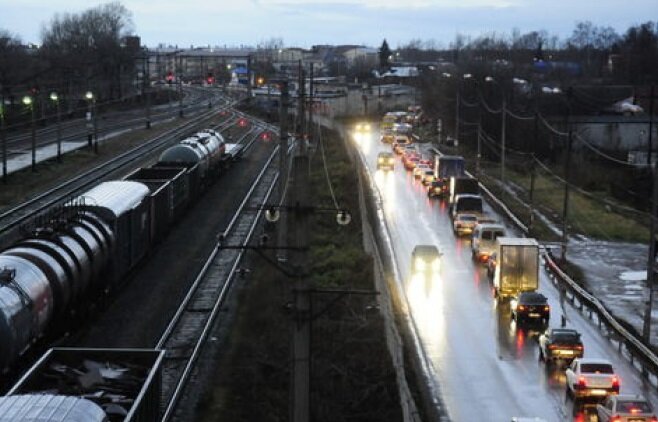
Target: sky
<point>303,23</point>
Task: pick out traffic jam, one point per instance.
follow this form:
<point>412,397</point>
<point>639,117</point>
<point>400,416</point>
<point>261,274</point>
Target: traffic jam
<point>468,273</point>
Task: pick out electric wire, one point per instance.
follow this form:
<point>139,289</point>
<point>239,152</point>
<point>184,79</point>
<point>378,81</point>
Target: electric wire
<point>604,155</point>
<point>326,171</point>
<point>486,106</point>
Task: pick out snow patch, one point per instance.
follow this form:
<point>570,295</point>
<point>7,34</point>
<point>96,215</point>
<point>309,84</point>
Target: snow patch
<point>633,276</point>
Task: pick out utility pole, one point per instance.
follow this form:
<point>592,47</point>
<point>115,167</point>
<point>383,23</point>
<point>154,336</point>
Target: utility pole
<point>567,178</point>
<point>533,173</point>
<point>302,296</point>
<point>180,86</point>
<point>457,119</point>
<point>651,260</point>
<point>283,165</point>
<point>3,139</point>
<point>310,104</point>
<point>503,139</point>
<point>147,89</point>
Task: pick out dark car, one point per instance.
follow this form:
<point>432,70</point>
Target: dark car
<point>531,307</point>
<point>436,189</point>
<point>560,344</point>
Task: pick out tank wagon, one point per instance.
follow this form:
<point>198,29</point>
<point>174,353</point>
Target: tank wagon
<point>49,277</point>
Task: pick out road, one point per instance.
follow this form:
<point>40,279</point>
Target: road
<point>486,367</point>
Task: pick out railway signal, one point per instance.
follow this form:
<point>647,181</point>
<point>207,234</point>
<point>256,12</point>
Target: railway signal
<point>242,122</point>
<point>170,77</point>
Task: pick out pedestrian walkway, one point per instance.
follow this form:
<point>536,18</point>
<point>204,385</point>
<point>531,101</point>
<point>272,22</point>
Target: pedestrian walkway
<point>19,160</point>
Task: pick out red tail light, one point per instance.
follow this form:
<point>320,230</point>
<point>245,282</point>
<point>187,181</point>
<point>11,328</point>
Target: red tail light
<point>653,419</point>
<point>579,347</point>
<point>615,418</point>
<point>616,383</point>
<point>552,346</point>
<point>582,382</point>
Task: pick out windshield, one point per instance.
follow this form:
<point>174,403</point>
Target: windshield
<point>633,406</point>
<point>596,368</point>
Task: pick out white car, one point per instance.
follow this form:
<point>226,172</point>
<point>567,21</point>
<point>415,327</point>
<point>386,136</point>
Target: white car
<point>588,377</point>
<point>425,258</point>
<point>464,223</point>
<point>483,243</point>
<point>626,408</point>
<point>419,170</point>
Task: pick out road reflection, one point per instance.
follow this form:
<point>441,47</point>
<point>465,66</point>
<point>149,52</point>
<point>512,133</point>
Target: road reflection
<point>425,295</point>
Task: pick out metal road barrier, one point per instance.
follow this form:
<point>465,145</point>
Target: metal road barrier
<point>640,356</point>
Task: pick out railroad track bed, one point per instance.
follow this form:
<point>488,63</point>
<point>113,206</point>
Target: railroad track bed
<point>11,219</point>
<point>139,313</point>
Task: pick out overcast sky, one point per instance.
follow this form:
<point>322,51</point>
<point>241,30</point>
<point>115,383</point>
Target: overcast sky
<point>307,22</point>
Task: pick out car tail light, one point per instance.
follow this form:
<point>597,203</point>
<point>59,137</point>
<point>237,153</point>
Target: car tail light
<point>552,346</point>
<point>616,383</point>
<point>579,347</point>
<point>582,382</point>
<point>653,419</point>
<point>547,308</point>
<point>521,308</point>
<point>615,418</point>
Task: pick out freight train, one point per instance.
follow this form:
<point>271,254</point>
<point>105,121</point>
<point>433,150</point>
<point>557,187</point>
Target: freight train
<point>96,239</point>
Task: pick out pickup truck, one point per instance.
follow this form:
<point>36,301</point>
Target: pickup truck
<point>558,344</point>
<point>626,408</point>
<point>591,378</point>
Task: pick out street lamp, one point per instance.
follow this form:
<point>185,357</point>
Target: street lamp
<point>54,97</point>
<point>28,102</point>
<point>92,114</point>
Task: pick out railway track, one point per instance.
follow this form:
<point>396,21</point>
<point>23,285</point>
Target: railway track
<point>188,330</point>
<point>11,219</point>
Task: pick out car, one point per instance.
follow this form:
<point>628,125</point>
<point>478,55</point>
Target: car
<point>387,138</point>
<point>530,307</point>
<point>491,265</point>
<point>436,189</point>
<point>410,163</point>
<point>591,378</point>
<point>419,170</point>
<point>464,223</point>
<point>428,176</point>
<point>385,161</point>
<point>397,148</point>
<point>626,408</point>
<point>362,127</point>
<point>483,241</point>
<point>560,344</point>
<point>425,258</point>
<point>402,139</point>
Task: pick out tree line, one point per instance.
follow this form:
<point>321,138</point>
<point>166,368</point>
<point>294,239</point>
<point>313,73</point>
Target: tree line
<point>89,51</point>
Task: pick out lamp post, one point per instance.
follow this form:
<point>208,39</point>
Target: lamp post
<point>54,97</point>
<point>93,115</point>
<point>4,141</point>
<point>28,102</point>
<point>503,112</point>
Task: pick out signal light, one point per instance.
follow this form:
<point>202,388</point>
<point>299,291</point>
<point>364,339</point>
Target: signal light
<point>266,136</point>
<point>170,77</point>
<point>242,122</point>
<point>210,79</point>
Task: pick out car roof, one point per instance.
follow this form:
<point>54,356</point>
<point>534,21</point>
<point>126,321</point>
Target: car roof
<point>564,331</point>
<point>385,153</point>
<point>630,397</point>
<point>595,360</point>
<point>532,295</point>
<point>465,214</point>
<point>491,226</point>
<point>425,249</point>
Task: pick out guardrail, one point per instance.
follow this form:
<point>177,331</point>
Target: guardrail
<point>637,352</point>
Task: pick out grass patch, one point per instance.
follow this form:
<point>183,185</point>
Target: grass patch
<point>586,216</point>
<point>352,375</point>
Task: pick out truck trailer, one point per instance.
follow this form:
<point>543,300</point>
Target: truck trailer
<point>516,262</point>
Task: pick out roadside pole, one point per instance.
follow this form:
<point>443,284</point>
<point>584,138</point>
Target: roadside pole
<point>301,348</point>
<point>651,261</point>
<point>283,167</point>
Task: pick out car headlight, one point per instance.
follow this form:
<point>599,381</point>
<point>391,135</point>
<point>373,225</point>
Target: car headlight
<point>366,126</point>
<point>420,264</point>
<point>436,265</point>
